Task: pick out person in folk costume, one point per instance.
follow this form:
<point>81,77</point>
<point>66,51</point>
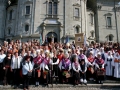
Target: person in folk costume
<point>76,70</point>
<point>83,69</point>
<point>27,67</point>
<point>29,54</point>
<point>89,50</point>
<point>66,47</point>
<point>73,55</point>
<point>55,68</point>
<point>112,50</point>
<point>95,50</point>
<point>42,53</point>
<point>2,56</point>
<point>90,70</point>
<point>45,66</point>
<point>117,65</point>
<point>60,54</point>
<point>37,70</point>
<point>96,53</point>
<point>33,53</point>
<point>82,56</point>
<point>65,67</point>
<point>109,63</point>
<point>15,68</point>
<point>70,53</point>
<point>7,68</point>
<point>102,53</point>
<point>99,67</point>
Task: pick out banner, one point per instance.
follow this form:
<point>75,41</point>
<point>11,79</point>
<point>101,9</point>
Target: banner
<point>67,39</point>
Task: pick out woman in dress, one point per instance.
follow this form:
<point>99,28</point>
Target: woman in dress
<point>37,70</point>
<point>65,67</point>
<point>99,67</point>
<point>76,70</point>
<point>55,68</point>
<point>117,65</point>
<point>109,62</point>
<point>7,68</point>
<point>45,67</point>
<point>90,70</point>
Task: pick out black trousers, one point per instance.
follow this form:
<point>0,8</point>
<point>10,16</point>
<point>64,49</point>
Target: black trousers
<point>82,75</point>
<point>26,81</point>
<point>16,76</point>
<point>1,70</point>
<point>7,75</point>
<point>76,76</point>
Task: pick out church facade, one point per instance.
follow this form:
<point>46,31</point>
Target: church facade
<point>58,19</point>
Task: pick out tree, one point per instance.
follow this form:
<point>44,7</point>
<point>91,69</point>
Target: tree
<point>91,4</point>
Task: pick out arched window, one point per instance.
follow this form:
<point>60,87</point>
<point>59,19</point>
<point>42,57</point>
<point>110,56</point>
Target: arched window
<point>26,28</point>
<point>92,34</point>
<point>10,14</point>
<point>77,29</point>
<point>110,37</point>
<point>9,31</point>
<point>52,8</point>
<point>55,8</point>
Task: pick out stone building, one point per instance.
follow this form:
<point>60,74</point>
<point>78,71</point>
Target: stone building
<point>27,19</point>
<point>107,19</point>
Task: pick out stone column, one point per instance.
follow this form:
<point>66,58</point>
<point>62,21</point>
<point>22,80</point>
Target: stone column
<point>3,17</point>
<point>85,10</point>
<point>61,34</point>
<point>44,33</point>
<point>82,17</point>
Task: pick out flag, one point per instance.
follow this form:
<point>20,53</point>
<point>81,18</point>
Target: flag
<point>41,41</point>
<point>85,41</point>
<point>67,39</point>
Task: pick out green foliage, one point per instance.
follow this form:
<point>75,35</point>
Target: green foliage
<point>91,4</point>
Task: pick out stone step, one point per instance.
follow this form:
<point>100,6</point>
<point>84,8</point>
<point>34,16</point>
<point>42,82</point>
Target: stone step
<point>101,86</point>
<point>106,81</point>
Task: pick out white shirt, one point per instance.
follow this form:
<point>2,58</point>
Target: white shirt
<point>2,57</point>
<point>16,64</point>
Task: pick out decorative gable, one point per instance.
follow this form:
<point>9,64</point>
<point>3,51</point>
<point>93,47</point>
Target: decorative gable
<point>108,14</point>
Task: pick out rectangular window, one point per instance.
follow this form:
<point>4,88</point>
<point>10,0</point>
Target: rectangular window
<point>50,8</point>
<point>109,22</point>
<point>55,8</point>
<point>76,12</point>
<point>27,9</point>
<point>26,28</point>
<point>10,17</point>
<point>91,18</point>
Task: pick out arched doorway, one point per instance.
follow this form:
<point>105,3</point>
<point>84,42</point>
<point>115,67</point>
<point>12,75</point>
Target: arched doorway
<point>52,36</point>
<point>8,40</point>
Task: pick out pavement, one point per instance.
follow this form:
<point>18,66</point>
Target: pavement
<point>107,85</point>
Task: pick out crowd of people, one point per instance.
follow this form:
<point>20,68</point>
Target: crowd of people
<point>29,62</point>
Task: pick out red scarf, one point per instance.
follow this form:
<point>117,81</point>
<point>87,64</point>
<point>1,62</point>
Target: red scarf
<point>99,61</point>
<point>91,59</point>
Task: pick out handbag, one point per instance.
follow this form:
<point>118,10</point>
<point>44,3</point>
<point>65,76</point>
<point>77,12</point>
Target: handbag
<point>100,73</point>
<point>29,74</point>
<point>68,75</point>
